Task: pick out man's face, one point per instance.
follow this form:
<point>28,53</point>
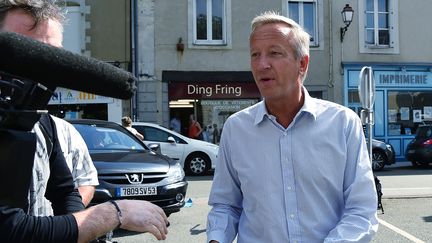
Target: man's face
<point>276,71</point>
<point>47,31</point>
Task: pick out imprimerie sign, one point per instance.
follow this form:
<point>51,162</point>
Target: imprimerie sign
<point>405,79</point>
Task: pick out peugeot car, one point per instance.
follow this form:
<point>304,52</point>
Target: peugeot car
<point>128,169</point>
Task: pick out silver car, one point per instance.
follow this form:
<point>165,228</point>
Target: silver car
<point>197,157</point>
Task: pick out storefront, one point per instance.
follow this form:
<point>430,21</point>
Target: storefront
<point>403,100</point>
<point>72,104</point>
<point>211,96</point>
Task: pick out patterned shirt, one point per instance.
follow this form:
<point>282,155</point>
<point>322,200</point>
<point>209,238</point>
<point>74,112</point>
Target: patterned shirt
<point>76,153</point>
<point>51,180</point>
<point>38,204</point>
<point>77,158</point>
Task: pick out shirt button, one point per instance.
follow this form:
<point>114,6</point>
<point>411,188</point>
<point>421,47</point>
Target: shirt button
<point>292,216</point>
<point>289,188</point>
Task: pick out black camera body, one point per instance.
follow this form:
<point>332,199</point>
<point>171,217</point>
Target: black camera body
<point>22,102</point>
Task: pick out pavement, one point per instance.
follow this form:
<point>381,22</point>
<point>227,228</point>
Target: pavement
<point>402,180</point>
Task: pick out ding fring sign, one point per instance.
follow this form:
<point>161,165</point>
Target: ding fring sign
<point>180,90</point>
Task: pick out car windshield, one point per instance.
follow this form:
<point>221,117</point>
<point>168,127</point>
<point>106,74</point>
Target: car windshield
<point>424,132</point>
<point>105,138</point>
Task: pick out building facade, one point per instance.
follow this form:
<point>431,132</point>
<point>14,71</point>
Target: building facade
<point>99,29</point>
<point>193,58</point>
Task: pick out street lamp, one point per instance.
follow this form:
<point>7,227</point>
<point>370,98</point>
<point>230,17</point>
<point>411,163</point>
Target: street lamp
<point>347,17</point>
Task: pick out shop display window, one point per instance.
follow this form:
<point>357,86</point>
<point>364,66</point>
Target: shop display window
<point>407,110</point>
<point>215,112</point>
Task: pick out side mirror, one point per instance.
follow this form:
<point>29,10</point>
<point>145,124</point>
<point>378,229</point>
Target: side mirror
<point>171,140</point>
<point>155,147</point>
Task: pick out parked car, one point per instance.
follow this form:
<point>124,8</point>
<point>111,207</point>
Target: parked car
<point>128,169</point>
<point>382,154</point>
<point>419,150</point>
<point>195,156</point>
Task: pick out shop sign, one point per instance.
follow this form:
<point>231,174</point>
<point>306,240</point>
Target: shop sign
<point>403,79</point>
<point>68,96</point>
<point>198,90</point>
<point>229,105</point>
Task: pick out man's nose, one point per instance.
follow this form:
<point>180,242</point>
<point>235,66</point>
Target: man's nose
<point>263,63</point>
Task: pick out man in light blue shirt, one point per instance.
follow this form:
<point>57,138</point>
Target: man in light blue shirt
<point>291,168</point>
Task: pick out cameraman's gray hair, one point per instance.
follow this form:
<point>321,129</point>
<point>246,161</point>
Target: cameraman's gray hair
<point>300,38</point>
<point>40,10</point>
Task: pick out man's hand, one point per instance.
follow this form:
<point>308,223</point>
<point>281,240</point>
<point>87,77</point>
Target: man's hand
<point>143,216</point>
<point>139,216</point>
<point>86,193</point>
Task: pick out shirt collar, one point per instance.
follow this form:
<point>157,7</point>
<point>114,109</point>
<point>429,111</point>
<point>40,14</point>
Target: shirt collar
<point>309,107</point>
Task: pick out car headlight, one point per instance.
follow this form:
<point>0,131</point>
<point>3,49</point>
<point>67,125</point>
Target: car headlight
<point>389,147</point>
<point>175,174</point>
<point>213,147</point>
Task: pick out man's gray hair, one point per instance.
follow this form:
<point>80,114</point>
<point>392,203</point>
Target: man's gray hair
<point>40,10</point>
<point>300,38</point>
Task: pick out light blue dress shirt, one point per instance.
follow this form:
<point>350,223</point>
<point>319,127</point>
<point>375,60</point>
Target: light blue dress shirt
<point>311,182</point>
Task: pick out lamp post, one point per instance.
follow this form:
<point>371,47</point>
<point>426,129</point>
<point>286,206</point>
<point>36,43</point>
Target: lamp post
<point>347,17</point>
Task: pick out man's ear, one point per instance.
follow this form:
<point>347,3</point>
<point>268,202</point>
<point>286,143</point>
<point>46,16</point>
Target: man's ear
<point>304,63</point>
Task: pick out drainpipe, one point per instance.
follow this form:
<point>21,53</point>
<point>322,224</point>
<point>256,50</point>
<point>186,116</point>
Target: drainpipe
<point>330,82</point>
<point>134,55</point>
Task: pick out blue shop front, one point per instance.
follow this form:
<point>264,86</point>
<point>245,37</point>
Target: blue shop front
<point>403,100</point>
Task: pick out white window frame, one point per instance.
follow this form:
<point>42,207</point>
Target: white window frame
<point>226,22</point>
<point>318,42</point>
<point>393,46</point>
<point>74,27</point>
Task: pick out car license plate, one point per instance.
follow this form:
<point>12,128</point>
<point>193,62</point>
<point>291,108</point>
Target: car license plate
<point>135,191</point>
<point>411,151</point>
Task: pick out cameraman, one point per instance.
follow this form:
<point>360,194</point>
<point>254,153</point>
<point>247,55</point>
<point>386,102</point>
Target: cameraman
<point>52,179</point>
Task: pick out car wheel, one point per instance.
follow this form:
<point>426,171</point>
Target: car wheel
<point>378,160</point>
<point>197,164</point>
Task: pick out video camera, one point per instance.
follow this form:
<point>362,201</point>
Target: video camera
<point>22,102</point>
<point>29,73</point>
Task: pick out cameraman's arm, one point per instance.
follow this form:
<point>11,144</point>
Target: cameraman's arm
<point>136,215</point>
<point>17,227</point>
<point>60,189</point>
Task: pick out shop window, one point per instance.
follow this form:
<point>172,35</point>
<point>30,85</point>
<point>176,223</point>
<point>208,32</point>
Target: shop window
<point>378,25</point>
<point>304,12</point>
<point>407,110</point>
<point>354,101</point>
<point>316,94</point>
<point>210,22</point>
<point>216,112</point>
<point>353,96</point>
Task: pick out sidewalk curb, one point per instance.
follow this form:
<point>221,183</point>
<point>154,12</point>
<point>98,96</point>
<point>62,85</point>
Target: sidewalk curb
<point>406,196</point>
